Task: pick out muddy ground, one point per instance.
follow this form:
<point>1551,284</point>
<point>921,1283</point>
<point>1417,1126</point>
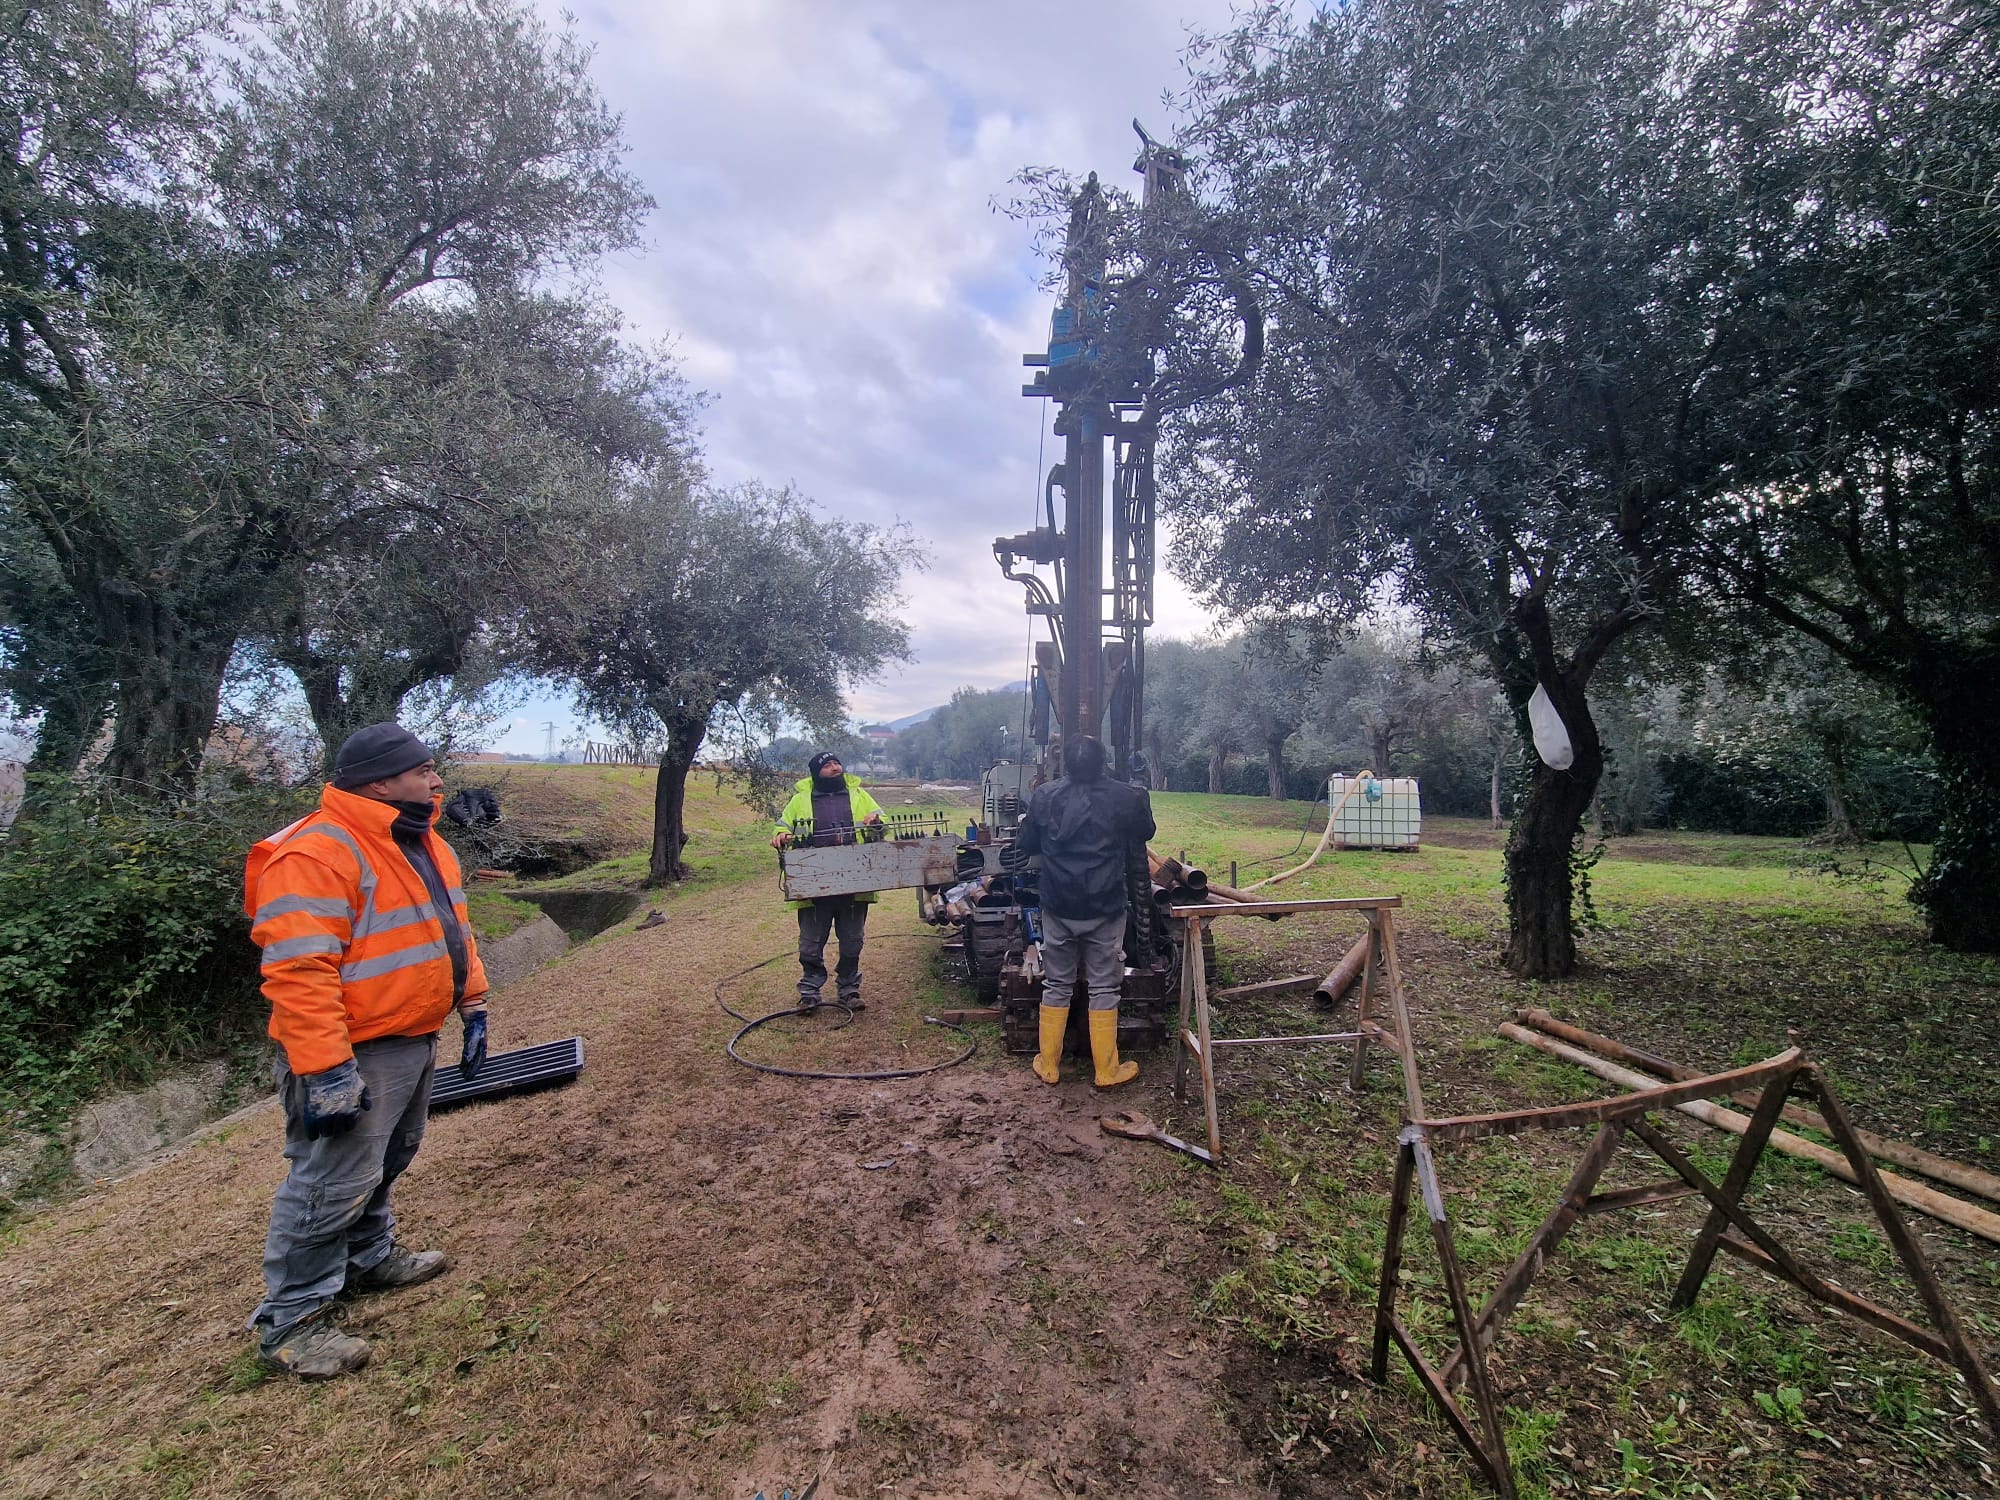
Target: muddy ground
<point>674,1277</point>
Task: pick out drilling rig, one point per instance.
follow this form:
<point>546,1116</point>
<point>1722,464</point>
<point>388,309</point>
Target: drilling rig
<point>1106,370</point>
<point>1101,369</point>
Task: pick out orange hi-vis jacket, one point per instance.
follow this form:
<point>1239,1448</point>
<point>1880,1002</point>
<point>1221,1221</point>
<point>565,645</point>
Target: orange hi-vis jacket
<point>353,948</point>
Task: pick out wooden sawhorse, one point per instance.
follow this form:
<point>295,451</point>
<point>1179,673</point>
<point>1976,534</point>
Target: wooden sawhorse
<point>1382,973</point>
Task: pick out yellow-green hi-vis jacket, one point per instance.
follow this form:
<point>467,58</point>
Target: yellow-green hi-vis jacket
<point>797,818</point>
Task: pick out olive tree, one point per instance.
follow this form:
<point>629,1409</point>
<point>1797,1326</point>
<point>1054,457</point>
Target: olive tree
<point>535,406</point>
<point>723,612</point>
<point>238,258</point>
<point>1859,144</point>
<point>1483,389</point>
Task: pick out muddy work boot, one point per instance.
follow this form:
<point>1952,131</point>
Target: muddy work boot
<point>312,1349</point>
<point>399,1268</point>
<point>854,1002</point>
<point>1111,1072</point>
<point>1054,1021</point>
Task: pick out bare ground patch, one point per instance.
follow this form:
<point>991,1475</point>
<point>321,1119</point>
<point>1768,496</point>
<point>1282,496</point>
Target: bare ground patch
<point>674,1277</point>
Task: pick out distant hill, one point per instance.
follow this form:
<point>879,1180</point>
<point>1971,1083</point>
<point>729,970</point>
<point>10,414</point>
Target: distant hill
<point>909,721</point>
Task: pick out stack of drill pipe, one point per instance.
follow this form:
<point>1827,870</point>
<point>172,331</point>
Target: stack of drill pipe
<point>1192,887</point>
<point>1344,974</point>
<point>1926,1200</point>
<point>1231,893</point>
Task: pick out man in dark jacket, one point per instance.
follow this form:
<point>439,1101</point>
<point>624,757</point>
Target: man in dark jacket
<point>1082,825</point>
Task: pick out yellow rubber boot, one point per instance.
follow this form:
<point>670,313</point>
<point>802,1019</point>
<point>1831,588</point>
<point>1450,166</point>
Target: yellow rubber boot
<point>1104,1050</point>
<point>1048,1062</point>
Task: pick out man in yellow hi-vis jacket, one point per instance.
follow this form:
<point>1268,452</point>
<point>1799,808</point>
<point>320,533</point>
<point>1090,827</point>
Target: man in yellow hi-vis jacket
<point>829,807</point>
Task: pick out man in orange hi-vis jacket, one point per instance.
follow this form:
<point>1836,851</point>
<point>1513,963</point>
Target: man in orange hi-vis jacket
<point>361,918</point>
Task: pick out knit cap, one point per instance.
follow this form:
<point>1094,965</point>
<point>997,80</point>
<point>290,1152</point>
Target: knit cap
<point>377,753</point>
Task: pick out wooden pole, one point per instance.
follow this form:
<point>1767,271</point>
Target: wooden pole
<point>1966,1216</point>
<point>1915,1158</point>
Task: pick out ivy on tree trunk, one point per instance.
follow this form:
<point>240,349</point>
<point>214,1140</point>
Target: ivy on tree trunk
<point>1540,875</point>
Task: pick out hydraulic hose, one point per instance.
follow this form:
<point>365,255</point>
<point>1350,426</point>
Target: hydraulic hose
<point>751,1023</point>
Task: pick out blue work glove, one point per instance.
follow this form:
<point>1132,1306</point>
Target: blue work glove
<point>474,1056</point>
<point>333,1100</point>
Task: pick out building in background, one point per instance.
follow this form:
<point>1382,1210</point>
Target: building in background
<point>878,737</point>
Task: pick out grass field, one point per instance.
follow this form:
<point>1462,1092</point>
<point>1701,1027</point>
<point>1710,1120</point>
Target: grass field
<point>1712,950</point>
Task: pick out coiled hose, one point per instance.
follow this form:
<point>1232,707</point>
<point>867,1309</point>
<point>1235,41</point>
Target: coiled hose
<point>751,1023</point>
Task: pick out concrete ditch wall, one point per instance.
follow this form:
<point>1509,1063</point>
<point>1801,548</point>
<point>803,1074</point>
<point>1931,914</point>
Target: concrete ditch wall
<point>125,1132</point>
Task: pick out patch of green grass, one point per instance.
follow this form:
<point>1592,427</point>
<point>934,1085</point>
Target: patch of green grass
<point>1860,1245</point>
<point>887,1422</point>
<point>244,1372</point>
<point>1529,1435</point>
<point>494,913</point>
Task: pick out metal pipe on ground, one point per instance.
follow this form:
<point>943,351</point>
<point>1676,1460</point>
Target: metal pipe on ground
<point>1344,974</point>
<point>1966,1216</point>
<point>1915,1158</point>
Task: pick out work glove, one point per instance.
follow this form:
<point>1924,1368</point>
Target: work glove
<point>334,1100</point>
<point>473,1014</point>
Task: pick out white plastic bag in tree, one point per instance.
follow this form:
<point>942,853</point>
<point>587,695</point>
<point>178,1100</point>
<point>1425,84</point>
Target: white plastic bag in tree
<point>1551,739</point>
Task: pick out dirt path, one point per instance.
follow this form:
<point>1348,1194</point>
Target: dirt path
<point>674,1277</point>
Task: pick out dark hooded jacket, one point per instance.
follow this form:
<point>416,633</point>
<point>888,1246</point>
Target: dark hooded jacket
<point>1082,830</point>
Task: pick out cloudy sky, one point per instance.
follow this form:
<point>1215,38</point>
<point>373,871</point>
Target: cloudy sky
<point>827,262</point>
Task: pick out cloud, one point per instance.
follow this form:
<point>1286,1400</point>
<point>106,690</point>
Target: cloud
<point>827,263</point>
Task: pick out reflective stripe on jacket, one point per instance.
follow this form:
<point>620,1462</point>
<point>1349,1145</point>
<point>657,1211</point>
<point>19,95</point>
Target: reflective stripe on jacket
<point>797,819</point>
<point>353,946</point>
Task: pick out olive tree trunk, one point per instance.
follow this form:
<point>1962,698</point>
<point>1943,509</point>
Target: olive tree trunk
<point>169,690</point>
<point>1541,884</point>
<point>670,802</point>
<point>1959,893</point>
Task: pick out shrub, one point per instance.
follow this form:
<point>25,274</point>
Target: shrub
<point>122,937</point>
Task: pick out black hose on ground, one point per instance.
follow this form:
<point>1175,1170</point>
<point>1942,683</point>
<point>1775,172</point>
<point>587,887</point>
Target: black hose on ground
<point>751,1023</point>
<point>1304,829</point>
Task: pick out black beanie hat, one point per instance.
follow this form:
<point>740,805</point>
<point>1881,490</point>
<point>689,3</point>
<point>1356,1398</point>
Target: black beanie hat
<point>377,753</point>
<point>820,760</point>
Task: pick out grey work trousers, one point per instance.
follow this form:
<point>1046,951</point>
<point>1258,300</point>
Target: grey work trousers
<point>846,917</point>
<point>332,1217</point>
<point>1096,944</point>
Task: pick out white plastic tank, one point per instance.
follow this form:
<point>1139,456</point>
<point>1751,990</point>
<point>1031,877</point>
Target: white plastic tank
<point>1372,813</point>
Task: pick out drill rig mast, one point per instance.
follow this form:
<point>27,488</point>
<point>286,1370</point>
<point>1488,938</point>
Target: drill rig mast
<point>1102,368</point>
<point>1099,372</point>
<point>1089,678</point>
